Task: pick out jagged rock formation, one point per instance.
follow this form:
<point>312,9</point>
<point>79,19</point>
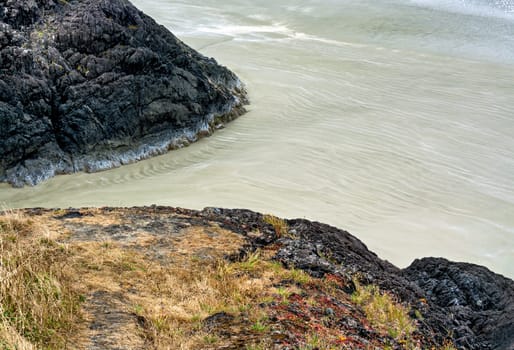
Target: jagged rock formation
<point>479,302</point>
<point>87,85</point>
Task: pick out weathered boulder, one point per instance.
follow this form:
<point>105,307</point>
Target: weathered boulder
<point>479,303</point>
<point>87,85</point>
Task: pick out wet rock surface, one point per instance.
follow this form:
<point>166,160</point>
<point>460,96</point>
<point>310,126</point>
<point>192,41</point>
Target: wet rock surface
<point>94,84</point>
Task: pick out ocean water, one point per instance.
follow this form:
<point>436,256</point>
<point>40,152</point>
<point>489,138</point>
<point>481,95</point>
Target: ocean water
<point>393,119</point>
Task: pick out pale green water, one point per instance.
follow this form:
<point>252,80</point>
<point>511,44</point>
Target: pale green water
<point>391,119</point>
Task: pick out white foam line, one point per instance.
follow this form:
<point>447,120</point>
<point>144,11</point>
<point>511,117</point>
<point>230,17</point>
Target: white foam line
<point>308,37</point>
<point>234,30</point>
<point>469,7</point>
<point>277,28</point>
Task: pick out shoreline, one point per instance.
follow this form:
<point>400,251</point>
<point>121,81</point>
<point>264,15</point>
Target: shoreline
<point>109,158</point>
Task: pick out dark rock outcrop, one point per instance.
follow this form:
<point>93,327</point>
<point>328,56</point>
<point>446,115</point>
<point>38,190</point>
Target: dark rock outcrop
<point>460,301</point>
<point>478,302</point>
<point>87,85</point>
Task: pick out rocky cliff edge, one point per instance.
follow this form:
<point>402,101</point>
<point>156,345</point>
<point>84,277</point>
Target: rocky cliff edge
<point>171,278</point>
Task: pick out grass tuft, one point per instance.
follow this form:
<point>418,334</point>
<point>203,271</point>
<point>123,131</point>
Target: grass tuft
<point>279,225</point>
<point>298,276</point>
<point>37,304</point>
<point>384,313</point>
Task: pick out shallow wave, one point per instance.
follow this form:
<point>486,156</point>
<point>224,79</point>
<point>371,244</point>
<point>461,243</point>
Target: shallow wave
<point>486,8</point>
<point>235,30</point>
<point>275,31</point>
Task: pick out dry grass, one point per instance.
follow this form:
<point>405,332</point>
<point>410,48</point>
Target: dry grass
<point>172,283</point>
<point>384,313</point>
<point>37,304</point>
<point>279,225</point>
<point>173,296</point>
<point>11,339</point>
<point>39,307</point>
<point>197,289</point>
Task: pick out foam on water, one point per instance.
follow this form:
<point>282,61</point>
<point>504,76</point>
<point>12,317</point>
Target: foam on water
<point>274,31</point>
<point>489,8</point>
<point>234,30</point>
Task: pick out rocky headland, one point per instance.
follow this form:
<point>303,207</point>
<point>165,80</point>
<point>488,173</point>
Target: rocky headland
<point>88,85</point>
<point>171,278</point>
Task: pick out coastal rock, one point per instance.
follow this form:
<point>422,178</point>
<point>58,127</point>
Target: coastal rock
<point>461,303</point>
<point>479,301</point>
<point>464,302</point>
<point>94,84</point>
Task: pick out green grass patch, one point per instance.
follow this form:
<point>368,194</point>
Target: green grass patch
<point>384,313</point>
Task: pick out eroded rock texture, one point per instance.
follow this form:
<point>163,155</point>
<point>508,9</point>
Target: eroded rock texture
<point>479,304</point>
<point>87,85</point>
<point>465,302</point>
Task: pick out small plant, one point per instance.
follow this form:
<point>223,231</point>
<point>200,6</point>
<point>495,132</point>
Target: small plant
<point>138,309</point>
<point>284,294</point>
<point>250,262</point>
<point>298,276</point>
<point>210,339</point>
<point>259,327</point>
<point>418,315</point>
<point>83,70</point>
<point>384,313</point>
<point>279,225</point>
